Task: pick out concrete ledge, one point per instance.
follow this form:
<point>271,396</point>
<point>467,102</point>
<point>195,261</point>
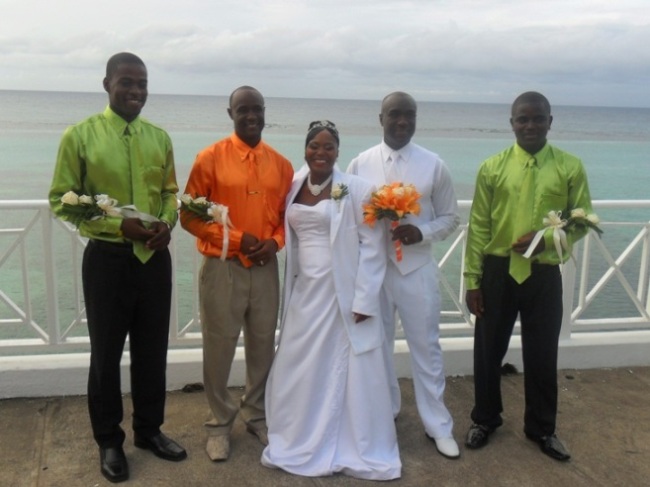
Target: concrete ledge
<point>66,374</point>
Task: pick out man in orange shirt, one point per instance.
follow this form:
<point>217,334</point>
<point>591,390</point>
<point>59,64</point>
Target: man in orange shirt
<point>239,286</point>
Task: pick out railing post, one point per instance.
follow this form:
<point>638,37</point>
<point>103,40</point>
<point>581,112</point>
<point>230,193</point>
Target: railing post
<point>55,333</point>
<point>173,312</point>
<point>568,292</point>
<point>53,324</point>
<point>644,278</point>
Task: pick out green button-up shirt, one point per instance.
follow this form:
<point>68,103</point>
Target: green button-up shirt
<point>135,167</point>
<point>561,185</point>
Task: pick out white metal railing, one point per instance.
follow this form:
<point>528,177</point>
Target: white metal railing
<point>42,309</point>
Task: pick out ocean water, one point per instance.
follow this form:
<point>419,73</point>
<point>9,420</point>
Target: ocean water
<point>614,144</point>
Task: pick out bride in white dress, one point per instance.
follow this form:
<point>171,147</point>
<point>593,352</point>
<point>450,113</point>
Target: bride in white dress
<point>328,405</point>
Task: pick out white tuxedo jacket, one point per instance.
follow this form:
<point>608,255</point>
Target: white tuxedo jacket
<point>438,216</point>
<point>358,261</point>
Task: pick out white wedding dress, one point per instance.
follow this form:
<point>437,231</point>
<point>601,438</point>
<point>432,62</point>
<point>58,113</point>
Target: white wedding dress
<point>327,409</point>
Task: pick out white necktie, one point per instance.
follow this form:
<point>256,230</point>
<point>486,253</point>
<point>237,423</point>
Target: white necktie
<point>394,173</point>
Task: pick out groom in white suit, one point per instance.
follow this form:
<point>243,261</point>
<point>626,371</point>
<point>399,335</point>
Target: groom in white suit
<point>411,285</point>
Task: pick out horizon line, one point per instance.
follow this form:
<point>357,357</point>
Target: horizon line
<point>323,98</point>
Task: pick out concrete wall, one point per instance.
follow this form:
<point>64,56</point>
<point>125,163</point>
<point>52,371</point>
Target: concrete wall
<point>66,374</point>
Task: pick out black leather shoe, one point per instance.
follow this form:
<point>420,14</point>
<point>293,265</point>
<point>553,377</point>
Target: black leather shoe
<point>477,436</point>
<point>162,447</point>
<point>113,464</point>
<point>551,446</point>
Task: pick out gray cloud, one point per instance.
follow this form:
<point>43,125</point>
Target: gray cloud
<point>439,50</point>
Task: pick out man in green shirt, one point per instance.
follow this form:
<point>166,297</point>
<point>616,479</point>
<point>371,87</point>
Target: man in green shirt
<point>515,190</point>
<point>126,269</point>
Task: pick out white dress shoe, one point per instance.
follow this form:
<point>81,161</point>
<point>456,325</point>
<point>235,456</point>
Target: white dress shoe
<point>447,447</point>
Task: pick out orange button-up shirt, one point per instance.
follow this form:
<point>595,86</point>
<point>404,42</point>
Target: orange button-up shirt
<point>252,182</point>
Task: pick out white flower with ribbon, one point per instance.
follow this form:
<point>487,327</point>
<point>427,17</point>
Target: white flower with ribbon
<point>110,208</point>
<point>578,219</point>
<point>85,207</point>
<point>209,212</point>
<point>552,220</point>
<point>107,204</point>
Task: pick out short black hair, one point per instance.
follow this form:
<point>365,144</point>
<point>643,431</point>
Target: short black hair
<point>241,88</point>
<point>121,58</point>
<point>532,97</point>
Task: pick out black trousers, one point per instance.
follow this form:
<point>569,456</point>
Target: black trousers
<point>125,297</point>
<point>538,300</point>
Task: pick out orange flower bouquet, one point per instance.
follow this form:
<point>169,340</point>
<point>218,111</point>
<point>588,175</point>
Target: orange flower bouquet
<point>392,201</point>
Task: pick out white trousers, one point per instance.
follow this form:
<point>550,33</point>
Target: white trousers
<point>415,297</point>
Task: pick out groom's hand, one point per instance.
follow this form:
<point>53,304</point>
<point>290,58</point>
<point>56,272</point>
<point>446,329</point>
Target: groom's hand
<point>133,229</point>
<point>162,236</point>
<point>523,242</point>
<point>407,234</point>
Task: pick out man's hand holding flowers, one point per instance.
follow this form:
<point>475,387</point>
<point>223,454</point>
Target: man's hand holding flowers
<point>578,220</point>
<point>209,212</point>
<point>407,233</point>
<point>395,201</point>
<point>523,244</point>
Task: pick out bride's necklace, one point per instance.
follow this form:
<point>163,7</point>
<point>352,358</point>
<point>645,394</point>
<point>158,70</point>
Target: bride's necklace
<point>317,189</point>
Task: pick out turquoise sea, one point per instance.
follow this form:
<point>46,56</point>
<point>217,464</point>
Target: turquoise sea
<point>614,144</point>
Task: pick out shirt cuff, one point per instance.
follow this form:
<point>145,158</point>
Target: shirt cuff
<point>472,282</point>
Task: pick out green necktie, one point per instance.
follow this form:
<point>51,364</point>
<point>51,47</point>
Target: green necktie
<point>520,266</point>
<point>140,195</point>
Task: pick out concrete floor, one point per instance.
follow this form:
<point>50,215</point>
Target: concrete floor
<point>604,419</point>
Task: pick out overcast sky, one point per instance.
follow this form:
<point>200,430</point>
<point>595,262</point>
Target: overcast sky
<point>577,52</point>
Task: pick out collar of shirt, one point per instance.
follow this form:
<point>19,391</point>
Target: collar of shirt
<point>540,156</point>
<point>386,152</point>
<point>243,149</point>
<point>119,124</point>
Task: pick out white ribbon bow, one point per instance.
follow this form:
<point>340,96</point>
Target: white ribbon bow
<point>219,214</point>
<point>552,220</point>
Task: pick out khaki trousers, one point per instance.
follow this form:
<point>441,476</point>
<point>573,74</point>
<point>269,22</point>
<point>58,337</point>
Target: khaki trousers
<point>235,298</point>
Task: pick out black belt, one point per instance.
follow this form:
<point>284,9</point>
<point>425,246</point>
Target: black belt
<point>112,247</point>
<point>506,261</point>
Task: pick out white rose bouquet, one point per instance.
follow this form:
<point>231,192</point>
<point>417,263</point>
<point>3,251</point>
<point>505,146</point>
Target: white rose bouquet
<point>206,210</point>
<point>209,212</point>
<point>578,218</point>
<point>84,207</point>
